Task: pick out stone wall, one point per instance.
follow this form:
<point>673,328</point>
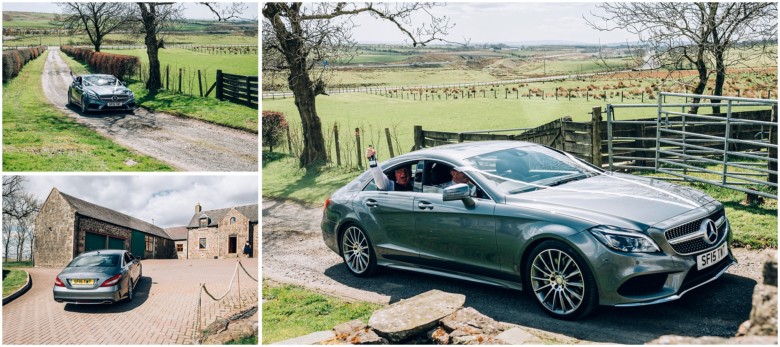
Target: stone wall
<point>217,238</point>
<point>54,228</point>
<point>212,243</point>
<point>239,229</point>
<point>256,238</point>
<point>183,253</point>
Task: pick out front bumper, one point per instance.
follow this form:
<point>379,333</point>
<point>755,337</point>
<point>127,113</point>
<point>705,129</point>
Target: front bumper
<point>93,104</point>
<point>100,295</point>
<point>652,278</point>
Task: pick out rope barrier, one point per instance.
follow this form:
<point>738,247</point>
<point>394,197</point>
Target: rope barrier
<point>230,287</point>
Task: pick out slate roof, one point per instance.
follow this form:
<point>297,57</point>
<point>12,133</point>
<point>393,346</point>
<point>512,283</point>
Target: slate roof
<point>250,211</point>
<point>177,233</point>
<point>89,209</point>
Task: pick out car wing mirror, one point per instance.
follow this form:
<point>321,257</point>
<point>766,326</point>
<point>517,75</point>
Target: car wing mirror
<point>458,191</point>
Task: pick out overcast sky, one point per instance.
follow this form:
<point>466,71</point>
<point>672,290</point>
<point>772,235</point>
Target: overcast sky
<point>169,200</point>
<point>191,10</point>
<point>506,22</point>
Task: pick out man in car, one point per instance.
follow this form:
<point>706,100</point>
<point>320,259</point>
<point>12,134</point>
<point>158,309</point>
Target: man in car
<point>403,175</point>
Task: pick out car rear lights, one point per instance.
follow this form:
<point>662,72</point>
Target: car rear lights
<point>58,282</point>
<point>112,281</point>
<point>327,202</point>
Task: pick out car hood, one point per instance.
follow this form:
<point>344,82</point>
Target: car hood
<point>108,90</point>
<point>616,199</point>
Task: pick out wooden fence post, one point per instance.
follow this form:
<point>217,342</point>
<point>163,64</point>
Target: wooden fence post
<point>773,151</point>
<point>179,80</point>
<point>419,140</point>
<point>338,147</point>
<point>200,84</point>
<point>289,141</point>
<point>167,76</point>
<point>596,136</point>
<point>359,148</point>
<point>248,92</point>
<point>389,142</point>
<point>219,85</point>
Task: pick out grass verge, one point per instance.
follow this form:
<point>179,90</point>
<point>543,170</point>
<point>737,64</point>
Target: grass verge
<point>13,280</point>
<point>38,137</point>
<point>206,109</point>
<point>291,311</point>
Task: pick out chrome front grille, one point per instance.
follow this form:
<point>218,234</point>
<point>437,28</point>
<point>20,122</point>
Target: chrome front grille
<point>686,239</point>
<point>110,98</point>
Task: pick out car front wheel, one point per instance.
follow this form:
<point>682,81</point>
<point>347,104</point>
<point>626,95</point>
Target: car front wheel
<point>83,105</point>
<point>357,252</point>
<point>560,281</point>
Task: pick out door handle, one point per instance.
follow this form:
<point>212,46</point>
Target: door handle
<point>372,203</point>
<point>425,205</point>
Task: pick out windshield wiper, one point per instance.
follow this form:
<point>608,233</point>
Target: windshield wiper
<point>568,179</point>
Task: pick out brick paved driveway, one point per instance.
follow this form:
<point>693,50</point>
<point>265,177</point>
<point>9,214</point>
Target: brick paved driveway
<point>164,310</point>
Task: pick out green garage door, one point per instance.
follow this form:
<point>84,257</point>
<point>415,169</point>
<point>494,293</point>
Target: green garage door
<point>94,242</point>
<point>138,244</point>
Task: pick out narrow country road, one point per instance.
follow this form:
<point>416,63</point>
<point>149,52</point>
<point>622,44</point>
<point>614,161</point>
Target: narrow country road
<point>294,253</point>
<point>187,144</point>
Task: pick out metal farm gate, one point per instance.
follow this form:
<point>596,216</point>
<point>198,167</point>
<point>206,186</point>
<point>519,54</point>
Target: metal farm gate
<point>736,149</point>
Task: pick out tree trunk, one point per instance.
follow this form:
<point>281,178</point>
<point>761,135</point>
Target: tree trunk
<point>150,39</point>
<point>720,79</point>
<point>305,100</point>
<point>701,67</point>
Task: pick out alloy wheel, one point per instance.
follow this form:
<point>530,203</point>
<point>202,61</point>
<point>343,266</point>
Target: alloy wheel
<point>356,250</point>
<point>557,281</point>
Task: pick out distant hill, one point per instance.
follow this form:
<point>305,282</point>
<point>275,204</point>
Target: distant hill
<point>16,19</point>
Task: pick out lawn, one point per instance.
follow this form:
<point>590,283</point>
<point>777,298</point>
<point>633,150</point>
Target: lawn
<point>208,109</point>
<point>291,311</point>
<point>38,137</point>
<point>12,280</point>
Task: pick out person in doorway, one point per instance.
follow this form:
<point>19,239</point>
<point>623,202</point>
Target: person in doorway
<point>247,249</point>
<point>403,175</point>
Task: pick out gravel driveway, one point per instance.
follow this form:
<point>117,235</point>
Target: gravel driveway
<point>187,144</point>
<point>293,252</point>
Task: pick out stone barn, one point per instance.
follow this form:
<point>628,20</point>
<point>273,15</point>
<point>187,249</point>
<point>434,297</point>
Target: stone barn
<point>179,237</point>
<point>67,226</point>
<point>222,233</point>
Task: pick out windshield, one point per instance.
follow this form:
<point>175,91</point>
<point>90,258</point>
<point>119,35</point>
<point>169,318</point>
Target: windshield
<point>106,260</point>
<point>524,169</point>
<point>100,80</point>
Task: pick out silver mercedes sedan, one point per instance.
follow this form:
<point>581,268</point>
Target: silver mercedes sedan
<point>525,216</point>
<point>98,277</point>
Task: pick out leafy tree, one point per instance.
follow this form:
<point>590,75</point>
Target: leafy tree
<point>300,39</point>
<point>273,126</point>
<point>710,36</point>
<point>97,19</point>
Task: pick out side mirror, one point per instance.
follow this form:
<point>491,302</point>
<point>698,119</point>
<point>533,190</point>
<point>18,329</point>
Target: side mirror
<point>458,191</point>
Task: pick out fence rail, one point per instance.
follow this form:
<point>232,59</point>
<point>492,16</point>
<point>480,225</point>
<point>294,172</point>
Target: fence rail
<point>237,89</point>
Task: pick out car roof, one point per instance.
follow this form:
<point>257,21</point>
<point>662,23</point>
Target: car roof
<point>104,251</point>
<point>459,151</point>
<point>98,75</point>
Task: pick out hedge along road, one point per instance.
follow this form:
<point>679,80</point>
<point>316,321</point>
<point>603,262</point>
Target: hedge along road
<point>187,144</point>
<point>294,253</point>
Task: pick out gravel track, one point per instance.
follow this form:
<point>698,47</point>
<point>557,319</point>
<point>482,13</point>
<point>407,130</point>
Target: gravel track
<point>294,253</point>
<point>185,143</point>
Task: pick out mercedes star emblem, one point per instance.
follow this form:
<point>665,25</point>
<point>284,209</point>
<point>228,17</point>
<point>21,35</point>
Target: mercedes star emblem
<point>710,231</point>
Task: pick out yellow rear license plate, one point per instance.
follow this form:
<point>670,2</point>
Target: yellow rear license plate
<point>82,281</point>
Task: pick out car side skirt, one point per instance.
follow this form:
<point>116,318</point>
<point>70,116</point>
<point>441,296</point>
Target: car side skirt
<point>455,275</point>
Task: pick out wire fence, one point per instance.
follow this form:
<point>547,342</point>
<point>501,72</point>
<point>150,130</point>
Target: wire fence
<point>236,278</point>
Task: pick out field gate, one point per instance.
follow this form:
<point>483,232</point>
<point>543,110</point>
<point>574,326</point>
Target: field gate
<point>735,149</point>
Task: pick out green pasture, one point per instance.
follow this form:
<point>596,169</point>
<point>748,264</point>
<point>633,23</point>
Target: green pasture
<point>13,279</point>
<point>131,40</point>
<point>207,109</point>
<point>38,137</point>
<point>291,311</point>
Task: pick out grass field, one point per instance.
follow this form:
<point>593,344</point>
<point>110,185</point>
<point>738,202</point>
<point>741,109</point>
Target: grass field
<point>124,39</point>
<point>12,280</point>
<point>207,109</point>
<point>291,311</point>
<point>38,137</point>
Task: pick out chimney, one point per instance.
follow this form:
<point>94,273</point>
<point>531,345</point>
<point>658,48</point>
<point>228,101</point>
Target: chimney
<point>197,208</point>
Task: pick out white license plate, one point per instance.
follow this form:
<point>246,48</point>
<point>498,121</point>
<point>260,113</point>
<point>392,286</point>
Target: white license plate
<point>710,258</point>
<point>114,104</point>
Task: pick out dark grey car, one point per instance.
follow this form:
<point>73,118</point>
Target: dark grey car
<point>535,218</point>
<point>100,93</point>
<point>98,277</point>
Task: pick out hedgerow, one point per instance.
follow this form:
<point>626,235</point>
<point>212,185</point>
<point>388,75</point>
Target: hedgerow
<point>13,60</point>
<point>118,65</point>
<point>274,126</point>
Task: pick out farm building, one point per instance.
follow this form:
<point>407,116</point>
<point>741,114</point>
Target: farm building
<point>67,226</point>
<point>179,237</point>
<point>222,233</point>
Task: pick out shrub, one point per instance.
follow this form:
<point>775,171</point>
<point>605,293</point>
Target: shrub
<point>118,65</point>
<point>273,125</point>
<point>13,60</point>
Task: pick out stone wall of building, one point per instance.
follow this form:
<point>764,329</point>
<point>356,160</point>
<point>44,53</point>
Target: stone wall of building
<point>165,248</point>
<point>212,243</point>
<point>256,237</point>
<point>54,229</point>
<point>183,253</point>
<point>238,229</point>
<point>91,225</point>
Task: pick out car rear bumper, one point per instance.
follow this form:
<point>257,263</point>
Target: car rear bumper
<point>100,295</point>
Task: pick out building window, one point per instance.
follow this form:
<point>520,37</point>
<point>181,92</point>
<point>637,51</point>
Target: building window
<point>204,222</point>
<point>179,247</point>
<point>202,243</point>
<point>232,220</point>
<point>149,243</point>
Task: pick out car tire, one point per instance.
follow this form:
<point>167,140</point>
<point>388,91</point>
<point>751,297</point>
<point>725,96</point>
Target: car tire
<point>560,281</point>
<point>357,252</point>
<point>130,290</point>
<point>70,102</point>
<point>140,272</point>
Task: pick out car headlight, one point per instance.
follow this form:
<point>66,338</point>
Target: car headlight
<point>624,240</point>
<point>91,94</point>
